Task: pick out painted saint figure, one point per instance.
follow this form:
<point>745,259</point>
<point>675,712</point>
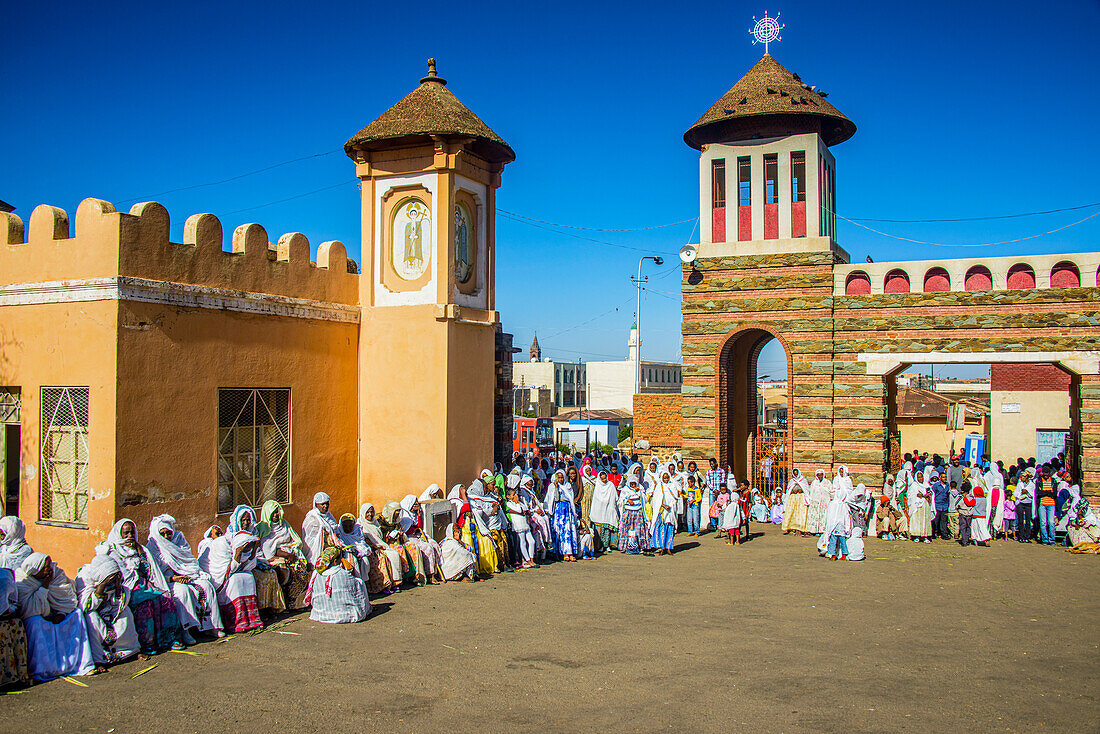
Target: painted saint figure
<point>462,245</point>
<point>414,252</point>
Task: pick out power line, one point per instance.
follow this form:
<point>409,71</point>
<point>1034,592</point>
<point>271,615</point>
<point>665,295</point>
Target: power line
<point>232,178</point>
<point>289,198</point>
<point>976,219</point>
<point>596,229</point>
<point>589,321</point>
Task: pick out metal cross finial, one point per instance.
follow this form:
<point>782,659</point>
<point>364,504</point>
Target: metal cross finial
<point>766,30</point>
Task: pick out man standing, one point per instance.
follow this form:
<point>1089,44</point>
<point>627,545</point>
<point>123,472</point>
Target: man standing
<point>942,492</point>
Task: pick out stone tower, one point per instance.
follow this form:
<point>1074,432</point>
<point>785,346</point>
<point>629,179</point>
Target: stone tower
<point>536,352</point>
<point>429,169</point>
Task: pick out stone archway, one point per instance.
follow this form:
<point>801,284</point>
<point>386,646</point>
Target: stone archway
<point>736,420</point>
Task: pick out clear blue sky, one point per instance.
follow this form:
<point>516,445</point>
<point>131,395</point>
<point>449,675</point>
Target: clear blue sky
<point>963,109</point>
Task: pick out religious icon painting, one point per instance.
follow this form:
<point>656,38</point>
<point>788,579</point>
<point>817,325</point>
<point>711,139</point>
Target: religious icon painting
<point>410,239</point>
<point>463,230</point>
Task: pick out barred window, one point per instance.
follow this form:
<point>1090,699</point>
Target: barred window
<point>64,459</point>
<point>9,404</point>
<point>253,447</point>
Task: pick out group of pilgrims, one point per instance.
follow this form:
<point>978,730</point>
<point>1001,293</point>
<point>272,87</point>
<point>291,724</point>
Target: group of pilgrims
<point>136,599</point>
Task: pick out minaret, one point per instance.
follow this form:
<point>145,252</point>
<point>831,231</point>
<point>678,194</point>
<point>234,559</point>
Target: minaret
<point>536,352</point>
<point>428,170</point>
<point>632,344</point>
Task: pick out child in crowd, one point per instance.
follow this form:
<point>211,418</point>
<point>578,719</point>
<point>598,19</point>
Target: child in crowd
<point>586,541</point>
<point>731,519</point>
<point>1010,514</point>
<point>718,507</point>
<point>518,512</point>
<point>694,496</point>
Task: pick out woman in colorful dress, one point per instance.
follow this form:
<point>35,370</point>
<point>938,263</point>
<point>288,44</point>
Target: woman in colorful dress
<point>821,490</point>
<point>105,603</point>
<point>796,504</point>
<point>604,513</point>
<point>151,601</point>
<point>663,512</point>
<point>538,519</point>
<point>192,588</point>
<point>13,547</point>
<point>269,595</point>
<point>283,550</point>
<point>477,539</point>
<point>632,527</point>
<point>355,546</point>
<point>337,595</point>
<point>559,504</point>
<point>385,563</point>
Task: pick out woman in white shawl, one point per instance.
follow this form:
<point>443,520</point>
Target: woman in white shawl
<point>385,562</point>
<point>459,562</point>
<point>538,519</point>
<point>192,588</point>
<point>105,603</point>
<point>356,548</point>
<point>283,550</point>
<point>57,638</point>
<point>154,608</point>
<point>337,594</point>
<point>821,490</point>
<point>269,593</point>
<point>652,476</point>
<point>13,546</point>
<point>796,503</point>
<point>413,512</point>
<point>559,504</point>
<point>859,505</point>
<point>229,560</point>
<point>919,498</point>
<point>605,512</point>
<point>633,532</point>
<point>662,508</point>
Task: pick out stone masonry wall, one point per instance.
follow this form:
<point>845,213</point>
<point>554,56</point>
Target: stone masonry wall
<point>657,419</point>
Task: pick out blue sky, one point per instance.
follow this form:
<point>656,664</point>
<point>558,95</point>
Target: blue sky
<point>963,109</point>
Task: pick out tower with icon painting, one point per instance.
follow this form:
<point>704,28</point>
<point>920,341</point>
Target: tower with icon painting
<point>429,169</point>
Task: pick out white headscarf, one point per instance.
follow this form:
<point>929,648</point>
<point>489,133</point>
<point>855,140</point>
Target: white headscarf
<point>95,572</point>
<point>36,600</point>
<point>662,505</point>
<point>172,555</point>
<point>315,525</point>
<point>429,494</point>
<point>842,478</point>
<point>129,558</point>
<point>13,547</point>
<point>605,501</point>
<point>917,489</point>
<point>372,531</point>
<point>557,491</point>
<point>797,480</point>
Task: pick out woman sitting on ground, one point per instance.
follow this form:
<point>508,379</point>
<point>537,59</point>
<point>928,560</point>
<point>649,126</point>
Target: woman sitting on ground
<point>13,547</point>
<point>428,548</point>
<point>355,546</point>
<point>57,639</point>
<point>269,595</point>
<point>192,588</point>
<point>386,569</point>
<point>229,561</point>
<point>459,562</point>
<point>337,594</point>
<point>283,550</point>
<point>105,603</point>
<point>13,637</point>
<point>154,608</point>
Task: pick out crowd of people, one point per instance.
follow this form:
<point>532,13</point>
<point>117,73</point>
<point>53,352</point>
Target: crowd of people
<point>933,498</point>
<point>136,599</point>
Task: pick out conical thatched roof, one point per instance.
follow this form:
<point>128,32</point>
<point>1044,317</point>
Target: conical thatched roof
<point>430,110</point>
<point>769,100</point>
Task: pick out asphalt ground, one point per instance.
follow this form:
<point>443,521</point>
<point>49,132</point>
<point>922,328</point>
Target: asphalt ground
<point>766,636</point>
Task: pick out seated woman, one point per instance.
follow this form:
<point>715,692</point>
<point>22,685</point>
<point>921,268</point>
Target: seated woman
<point>57,639</point>
<point>475,536</point>
<point>105,603</point>
<point>13,548</point>
<point>385,563</point>
<point>411,557</point>
<point>428,548</point>
<point>459,562</point>
<point>158,625</point>
<point>337,594</point>
<point>13,638</point>
<point>759,510</point>
<point>355,546</point>
<point>229,561</point>
<point>269,595</point>
<point>192,588</point>
<point>284,551</point>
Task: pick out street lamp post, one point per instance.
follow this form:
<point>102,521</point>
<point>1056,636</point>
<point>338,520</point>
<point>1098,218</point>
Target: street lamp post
<point>638,320</point>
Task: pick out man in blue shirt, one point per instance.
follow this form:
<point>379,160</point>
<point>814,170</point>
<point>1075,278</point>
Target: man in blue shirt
<point>940,527</point>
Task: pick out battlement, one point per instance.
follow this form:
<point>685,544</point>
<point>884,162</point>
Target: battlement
<point>108,243</point>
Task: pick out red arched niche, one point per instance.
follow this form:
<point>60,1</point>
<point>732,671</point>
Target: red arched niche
<point>857,284</point>
<point>978,278</point>
<point>897,281</point>
<point>1021,277</point>
<point>937,280</point>
<point>1065,275</point>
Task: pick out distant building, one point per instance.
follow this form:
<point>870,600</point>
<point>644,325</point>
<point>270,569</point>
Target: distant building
<point>536,352</point>
<point>1030,406</point>
<point>922,421</point>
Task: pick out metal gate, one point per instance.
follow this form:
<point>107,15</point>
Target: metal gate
<point>770,461</point>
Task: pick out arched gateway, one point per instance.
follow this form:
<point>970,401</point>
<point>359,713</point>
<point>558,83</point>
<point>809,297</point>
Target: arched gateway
<point>769,265</point>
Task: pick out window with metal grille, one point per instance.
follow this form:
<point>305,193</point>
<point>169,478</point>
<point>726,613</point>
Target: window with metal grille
<point>718,183</point>
<point>253,447</point>
<point>64,458</point>
<point>9,404</point>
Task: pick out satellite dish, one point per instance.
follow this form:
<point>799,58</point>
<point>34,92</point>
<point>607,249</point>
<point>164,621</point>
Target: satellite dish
<point>688,253</point>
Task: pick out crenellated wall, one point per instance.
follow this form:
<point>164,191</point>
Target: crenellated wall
<point>110,244</point>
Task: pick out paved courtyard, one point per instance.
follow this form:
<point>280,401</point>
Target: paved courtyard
<point>765,637</point>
